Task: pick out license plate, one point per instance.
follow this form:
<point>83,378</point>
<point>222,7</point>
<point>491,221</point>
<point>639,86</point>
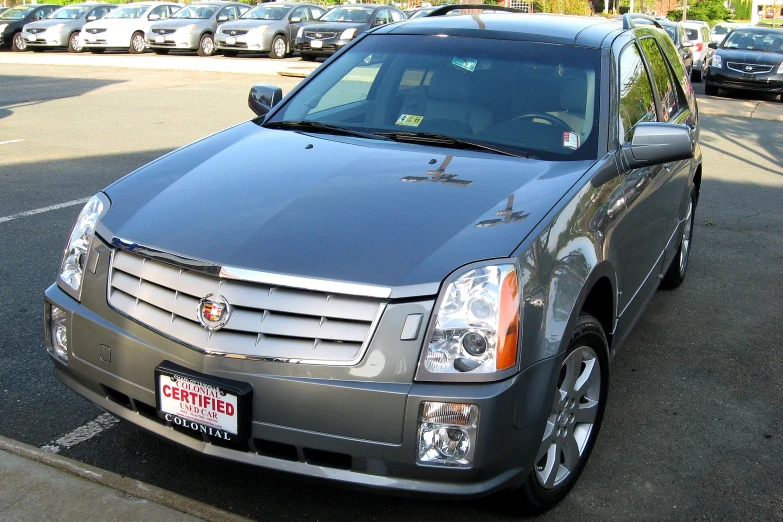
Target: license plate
<point>316,44</point>
<point>160,39</point>
<point>218,408</point>
<point>32,38</point>
<point>231,40</point>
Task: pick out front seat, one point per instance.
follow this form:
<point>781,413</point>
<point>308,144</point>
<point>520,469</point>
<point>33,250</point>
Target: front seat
<point>448,98</point>
<point>573,101</point>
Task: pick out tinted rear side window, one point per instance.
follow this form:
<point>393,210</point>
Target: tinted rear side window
<point>662,78</point>
<point>637,103</point>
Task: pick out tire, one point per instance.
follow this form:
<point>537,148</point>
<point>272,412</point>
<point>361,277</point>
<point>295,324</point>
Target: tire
<point>73,43</point>
<point>18,44</point>
<point>549,480</point>
<point>695,76</point>
<point>206,46</point>
<point>137,43</point>
<point>97,50</point>
<point>308,57</point>
<point>279,47</point>
<point>160,51</point>
<point>230,54</point>
<point>710,90</point>
<point>677,271</point>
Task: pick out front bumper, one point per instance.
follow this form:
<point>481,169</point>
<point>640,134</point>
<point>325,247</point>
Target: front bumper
<point>329,47</point>
<point>727,79</point>
<point>244,42</point>
<point>176,40</point>
<point>46,39</point>
<point>105,40</point>
<point>354,425</point>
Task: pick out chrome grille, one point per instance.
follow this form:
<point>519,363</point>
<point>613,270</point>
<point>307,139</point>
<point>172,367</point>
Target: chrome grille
<point>234,32</point>
<point>164,31</point>
<point>266,322</point>
<point>36,30</point>
<point>319,35</point>
<point>749,68</point>
<point>95,30</point>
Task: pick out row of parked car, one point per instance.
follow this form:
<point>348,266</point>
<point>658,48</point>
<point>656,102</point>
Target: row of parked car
<point>207,27</point>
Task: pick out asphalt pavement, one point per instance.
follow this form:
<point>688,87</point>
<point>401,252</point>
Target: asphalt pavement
<point>694,424</point>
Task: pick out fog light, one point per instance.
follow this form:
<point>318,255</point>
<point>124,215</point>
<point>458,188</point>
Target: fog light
<point>59,333</point>
<point>447,433</point>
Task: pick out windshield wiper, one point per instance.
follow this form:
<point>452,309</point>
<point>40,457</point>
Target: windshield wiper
<point>457,143</point>
<point>323,127</point>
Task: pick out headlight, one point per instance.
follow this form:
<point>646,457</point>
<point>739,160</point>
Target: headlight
<point>261,29</point>
<point>780,69</point>
<point>2,27</point>
<point>476,327</point>
<point>188,28</point>
<point>78,247</point>
<point>300,32</point>
<point>56,28</point>
<point>717,61</point>
<point>348,34</point>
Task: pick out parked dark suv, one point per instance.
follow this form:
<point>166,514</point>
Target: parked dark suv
<point>411,273</point>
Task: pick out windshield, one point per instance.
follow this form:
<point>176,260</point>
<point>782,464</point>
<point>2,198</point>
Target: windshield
<point>130,11</point>
<point>423,12</point>
<point>264,12</point>
<point>69,13</point>
<point>201,12</point>
<point>521,97</point>
<point>753,41</point>
<point>348,14</point>
<point>16,13</point>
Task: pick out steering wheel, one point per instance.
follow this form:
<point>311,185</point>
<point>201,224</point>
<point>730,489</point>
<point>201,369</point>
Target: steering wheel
<point>551,120</point>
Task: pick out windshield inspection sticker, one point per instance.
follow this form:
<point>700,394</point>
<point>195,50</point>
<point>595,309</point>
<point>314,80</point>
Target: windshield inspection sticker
<point>409,119</point>
<point>469,64</point>
<point>571,140</point>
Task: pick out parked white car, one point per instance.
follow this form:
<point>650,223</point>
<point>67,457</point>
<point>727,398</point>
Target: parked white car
<point>126,27</point>
<point>698,33</point>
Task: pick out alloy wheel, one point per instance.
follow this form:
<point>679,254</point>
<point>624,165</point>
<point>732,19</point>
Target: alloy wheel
<point>572,419</point>
<point>19,42</point>
<point>685,246</point>
<point>207,45</point>
<point>138,43</point>
<point>279,47</point>
<point>75,45</point>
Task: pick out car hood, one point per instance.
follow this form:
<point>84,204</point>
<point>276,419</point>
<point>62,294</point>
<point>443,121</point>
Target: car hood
<point>50,23</point>
<point>751,57</point>
<point>334,26</point>
<point>334,207</point>
<point>247,24</point>
<point>174,23</point>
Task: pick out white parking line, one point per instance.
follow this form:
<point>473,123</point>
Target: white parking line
<point>42,210</point>
<point>9,141</point>
<point>82,433</point>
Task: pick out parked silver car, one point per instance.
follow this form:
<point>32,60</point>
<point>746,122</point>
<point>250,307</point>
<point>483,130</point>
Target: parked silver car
<point>267,28</point>
<point>126,27</point>
<point>62,27</point>
<point>698,34</point>
<point>193,27</point>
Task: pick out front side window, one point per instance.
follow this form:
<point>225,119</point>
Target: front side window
<point>382,17</point>
<point>348,14</point>
<point>397,16</point>
<point>667,92</point>
<point>637,103</point>
<point>229,12</point>
<point>316,12</point>
<point>162,12</point>
<point>302,13</point>
<point>99,12</point>
<point>68,13</point>
<point>266,12</point>
<point>524,97</point>
<point>196,12</point>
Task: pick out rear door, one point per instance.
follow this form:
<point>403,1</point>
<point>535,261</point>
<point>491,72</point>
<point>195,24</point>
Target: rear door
<point>299,17</point>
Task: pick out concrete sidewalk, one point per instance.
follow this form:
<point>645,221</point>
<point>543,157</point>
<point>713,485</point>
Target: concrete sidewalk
<point>739,104</point>
<point>37,485</point>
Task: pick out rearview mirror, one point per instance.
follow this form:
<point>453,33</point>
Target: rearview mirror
<point>222,18</point>
<point>263,97</point>
<point>153,17</point>
<point>656,143</point>
<point>295,19</point>
<point>712,45</point>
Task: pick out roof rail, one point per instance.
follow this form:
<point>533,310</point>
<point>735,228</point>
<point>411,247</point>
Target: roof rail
<point>446,9</point>
<point>628,19</point>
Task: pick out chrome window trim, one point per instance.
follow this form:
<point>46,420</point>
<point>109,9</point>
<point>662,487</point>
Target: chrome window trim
<point>352,362</point>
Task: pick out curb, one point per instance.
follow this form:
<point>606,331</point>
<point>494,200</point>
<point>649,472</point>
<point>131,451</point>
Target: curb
<point>126,485</point>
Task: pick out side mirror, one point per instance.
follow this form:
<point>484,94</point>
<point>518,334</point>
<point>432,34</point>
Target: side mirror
<point>263,97</point>
<point>222,18</point>
<point>656,143</point>
<point>153,17</point>
<point>295,19</point>
<point>378,22</point>
<point>712,45</point>
<point>92,18</point>
<point>686,44</point>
